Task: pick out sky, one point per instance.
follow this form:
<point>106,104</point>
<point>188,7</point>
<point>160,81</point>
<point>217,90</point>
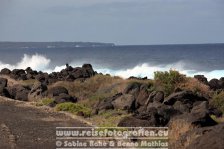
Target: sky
<point>123,22</point>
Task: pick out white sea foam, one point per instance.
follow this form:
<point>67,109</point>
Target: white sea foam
<point>147,70</point>
<point>42,63</point>
<point>36,61</point>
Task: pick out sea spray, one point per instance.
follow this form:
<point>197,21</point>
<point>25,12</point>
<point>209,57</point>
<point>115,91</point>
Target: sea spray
<point>42,63</point>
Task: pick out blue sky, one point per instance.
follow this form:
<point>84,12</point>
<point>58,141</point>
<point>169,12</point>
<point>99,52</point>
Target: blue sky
<point>118,21</point>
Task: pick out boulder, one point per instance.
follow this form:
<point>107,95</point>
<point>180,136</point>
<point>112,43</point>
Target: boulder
<point>18,74</point>
<point>151,117</point>
<point>28,70</point>
<point>207,137</point>
<point>124,102</point>
<point>22,95</point>
<point>162,113</point>
<point>137,78</point>
<point>30,76</point>
<point>88,69</point>
<point>42,77</point>
<point>200,107</point>
<point>184,136</point>
<point>38,91</point>
<point>200,115</point>
<point>183,108</point>
<point>22,77</point>
<point>18,92</point>
<point>215,111</point>
<point>106,104</point>
<point>182,126</point>
<point>52,80</point>
<point>139,91</point>
<point>214,84</point>
<point>135,122</point>
<point>5,71</point>
<point>165,113</point>
<point>154,104</point>
<point>133,88</point>
<point>18,71</point>
<point>64,98</point>
<point>201,78</point>
<point>142,95</point>
<point>221,82</point>
<point>68,68</point>
<point>64,72</point>
<point>12,90</point>
<point>3,82</point>
<point>56,91</point>
<point>4,92</point>
<point>70,78</point>
<point>155,96</point>
<point>78,73</point>
<point>184,97</point>
<point>183,129</point>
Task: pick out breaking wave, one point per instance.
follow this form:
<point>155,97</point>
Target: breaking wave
<point>42,63</point>
<point>36,61</point>
<point>146,70</point>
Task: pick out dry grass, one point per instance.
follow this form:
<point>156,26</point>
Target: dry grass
<point>98,83</point>
<point>27,82</point>
<point>177,128</point>
<point>11,81</point>
<point>195,86</point>
<point>108,118</point>
<point>95,88</point>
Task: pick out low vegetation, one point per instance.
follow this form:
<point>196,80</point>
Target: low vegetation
<point>98,84</point>
<point>218,100</point>
<point>45,102</point>
<point>108,118</point>
<point>217,119</point>
<point>194,85</point>
<point>168,81</point>
<point>74,108</point>
<point>27,82</point>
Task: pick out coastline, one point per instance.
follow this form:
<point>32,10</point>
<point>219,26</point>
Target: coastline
<point>169,100</point>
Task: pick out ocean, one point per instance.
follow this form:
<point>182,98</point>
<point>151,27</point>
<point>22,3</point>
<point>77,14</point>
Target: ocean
<point>124,61</point>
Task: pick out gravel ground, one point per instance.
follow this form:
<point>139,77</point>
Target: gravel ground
<point>24,126</point>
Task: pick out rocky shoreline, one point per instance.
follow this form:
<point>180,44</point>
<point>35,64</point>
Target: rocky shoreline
<point>40,88</point>
<point>188,113</point>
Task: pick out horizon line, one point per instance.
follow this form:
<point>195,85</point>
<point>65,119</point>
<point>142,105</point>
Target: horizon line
<point>154,44</point>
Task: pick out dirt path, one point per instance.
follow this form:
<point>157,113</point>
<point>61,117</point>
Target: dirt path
<point>23,126</point>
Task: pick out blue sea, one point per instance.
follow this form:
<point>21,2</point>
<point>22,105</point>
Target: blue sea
<point>124,61</point>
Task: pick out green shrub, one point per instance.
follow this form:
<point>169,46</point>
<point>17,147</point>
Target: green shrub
<point>217,119</point>
<point>45,101</point>
<point>168,80</point>
<point>73,108</point>
<point>218,101</point>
